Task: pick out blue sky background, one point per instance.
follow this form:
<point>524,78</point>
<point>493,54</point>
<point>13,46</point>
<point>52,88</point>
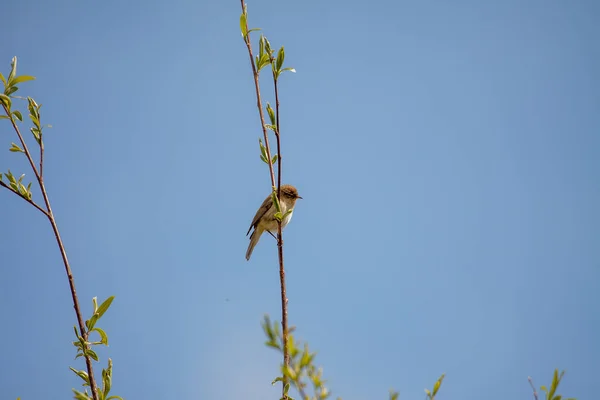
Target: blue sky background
<point>447,153</point>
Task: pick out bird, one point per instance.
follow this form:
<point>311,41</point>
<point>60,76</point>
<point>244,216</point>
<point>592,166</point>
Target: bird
<point>264,220</point>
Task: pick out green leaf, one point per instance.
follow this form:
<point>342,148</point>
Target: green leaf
<point>4,117</point>
<point>243,26</point>
<point>264,159</point>
<point>2,79</point>
<point>10,90</point>
<point>268,47</point>
<point>263,61</point>
<point>11,177</point>
<point>394,395</point>
<point>17,114</point>
<point>436,387</point>
<point>274,159</point>
<point>278,216</point>
<point>22,78</point>
<point>5,100</point>
<point>271,113</point>
<point>103,335</point>
<point>288,69</point>
<point>280,57</point>
<point>13,71</point>
<point>261,46</point>
<point>80,395</point>
<point>278,379</point>
<point>90,323</point>
<point>36,134</point>
<point>91,353</point>
<point>104,306</point>
<point>276,200</point>
<point>263,149</point>
<point>82,374</point>
<point>16,149</point>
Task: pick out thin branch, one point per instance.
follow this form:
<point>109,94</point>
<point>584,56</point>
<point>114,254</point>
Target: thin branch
<point>535,394</point>
<point>277,133</point>
<point>33,203</point>
<point>284,300</point>
<point>259,100</point>
<point>286,357</point>
<point>26,150</point>
<point>41,157</point>
<point>63,253</point>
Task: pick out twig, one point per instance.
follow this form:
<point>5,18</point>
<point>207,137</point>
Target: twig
<point>33,203</point>
<point>41,156</point>
<point>259,100</point>
<point>50,215</point>
<point>284,300</point>
<point>535,394</point>
<point>286,357</point>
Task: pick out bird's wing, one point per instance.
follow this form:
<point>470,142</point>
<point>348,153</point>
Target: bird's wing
<point>264,207</point>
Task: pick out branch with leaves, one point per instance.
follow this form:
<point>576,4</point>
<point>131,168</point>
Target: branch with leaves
<point>264,58</point>
<point>17,187</point>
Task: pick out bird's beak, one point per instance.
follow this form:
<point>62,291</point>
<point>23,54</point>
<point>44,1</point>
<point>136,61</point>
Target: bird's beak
<point>298,197</point>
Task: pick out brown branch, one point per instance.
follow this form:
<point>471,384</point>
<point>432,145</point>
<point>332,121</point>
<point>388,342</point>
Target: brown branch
<point>63,253</point>
<point>258,99</point>
<point>535,394</point>
<point>33,203</point>
<point>255,72</point>
<point>41,156</point>
<point>277,136</point>
<point>284,300</point>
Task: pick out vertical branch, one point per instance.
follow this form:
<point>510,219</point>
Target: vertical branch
<point>259,99</point>
<point>63,253</point>
<point>277,136</point>
<point>535,394</point>
<point>255,72</point>
<point>284,300</point>
<point>41,157</point>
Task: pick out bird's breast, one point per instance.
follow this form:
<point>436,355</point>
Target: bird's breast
<point>287,218</point>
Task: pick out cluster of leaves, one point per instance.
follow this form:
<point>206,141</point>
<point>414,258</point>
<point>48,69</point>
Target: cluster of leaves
<point>16,185</point>
<point>551,393</point>
<point>301,368</point>
<point>302,372</point>
<point>10,87</point>
<point>84,348</point>
<point>265,52</point>
<point>83,345</point>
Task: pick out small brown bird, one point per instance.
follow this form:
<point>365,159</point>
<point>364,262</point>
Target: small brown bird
<point>264,220</point>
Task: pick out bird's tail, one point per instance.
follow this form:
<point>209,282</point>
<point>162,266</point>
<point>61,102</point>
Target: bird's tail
<point>254,238</point>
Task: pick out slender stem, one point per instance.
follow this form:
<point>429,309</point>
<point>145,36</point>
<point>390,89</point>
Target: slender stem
<point>277,132</point>
<point>259,100</point>
<point>284,300</point>
<point>26,150</point>
<point>63,253</point>
<point>41,156</point>
<point>286,357</point>
<point>33,203</point>
<point>535,394</point>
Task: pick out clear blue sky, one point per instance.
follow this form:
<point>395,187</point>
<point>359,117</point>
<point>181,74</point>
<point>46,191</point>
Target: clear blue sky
<point>448,156</point>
